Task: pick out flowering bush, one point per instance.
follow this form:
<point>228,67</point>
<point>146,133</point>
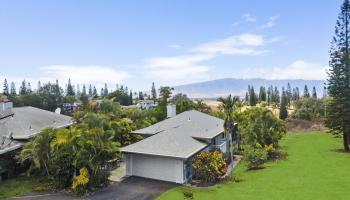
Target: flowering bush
<point>209,166</point>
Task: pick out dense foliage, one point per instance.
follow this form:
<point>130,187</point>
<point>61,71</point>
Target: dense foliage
<point>260,126</point>
<point>209,166</point>
<point>61,155</point>
<point>77,157</point>
<point>308,108</point>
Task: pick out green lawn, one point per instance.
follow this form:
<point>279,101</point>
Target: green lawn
<point>314,169</point>
<point>18,186</point>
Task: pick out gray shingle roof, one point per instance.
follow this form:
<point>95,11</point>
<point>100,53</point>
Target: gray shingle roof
<point>177,136</point>
<point>199,125</point>
<point>25,123</point>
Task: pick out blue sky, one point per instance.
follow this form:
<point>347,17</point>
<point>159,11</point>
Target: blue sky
<point>169,42</point>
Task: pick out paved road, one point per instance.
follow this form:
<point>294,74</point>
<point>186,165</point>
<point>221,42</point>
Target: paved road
<point>130,188</point>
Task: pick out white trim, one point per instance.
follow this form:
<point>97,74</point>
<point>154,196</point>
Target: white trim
<point>17,146</point>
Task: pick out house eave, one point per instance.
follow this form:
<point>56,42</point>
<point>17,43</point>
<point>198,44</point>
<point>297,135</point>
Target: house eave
<point>166,156</point>
<point>27,137</point>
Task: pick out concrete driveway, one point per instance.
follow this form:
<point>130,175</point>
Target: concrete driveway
<point>130,188</point>
<point>133,188</point>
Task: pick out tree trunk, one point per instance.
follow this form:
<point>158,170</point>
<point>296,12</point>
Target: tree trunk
<point>346,140</point>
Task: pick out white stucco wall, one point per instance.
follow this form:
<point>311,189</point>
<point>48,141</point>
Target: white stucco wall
<point>154,167</point>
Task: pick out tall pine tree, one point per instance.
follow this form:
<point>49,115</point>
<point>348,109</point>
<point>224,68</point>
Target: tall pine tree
<point>338,113</point>
<point>314,93</point>
<point>283,107</point>
<point>5,89</point>
<point>23,88</point>
<point>262,94</point>
<point>154,92</point>
<point>252,96</point>
<point>13,89</point>
<point>306,92</point>
<point>90,90</point>
<point>70,89</point>
<point>289,93</point>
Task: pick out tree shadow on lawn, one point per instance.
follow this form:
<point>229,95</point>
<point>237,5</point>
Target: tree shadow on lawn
<point>340,151</point>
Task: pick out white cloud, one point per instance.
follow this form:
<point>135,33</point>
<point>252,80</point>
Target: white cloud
<point>249,18</point>
<point>178,68</point>
<point>244,44</point>
<point>190,67</point>
<point>299,69</point>
<point>271,22</point>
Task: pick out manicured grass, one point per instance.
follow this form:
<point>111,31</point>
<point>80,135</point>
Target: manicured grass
<point>315,168</point>
<point>17,186</point>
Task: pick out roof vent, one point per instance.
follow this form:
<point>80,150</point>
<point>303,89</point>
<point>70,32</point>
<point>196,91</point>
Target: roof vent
<point>189,119</point>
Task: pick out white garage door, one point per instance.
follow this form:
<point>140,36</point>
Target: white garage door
<point>154,167</point>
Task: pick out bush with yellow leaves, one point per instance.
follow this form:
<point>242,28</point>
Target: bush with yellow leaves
<point>81,181</point>
<point>209,166</point>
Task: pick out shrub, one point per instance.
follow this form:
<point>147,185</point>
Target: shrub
<point>255,156</point>
<point>209,166</point>
<point>271,151</point>
<point>188,194</point>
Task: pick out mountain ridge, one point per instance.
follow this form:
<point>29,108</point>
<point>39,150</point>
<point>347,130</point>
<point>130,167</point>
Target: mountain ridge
<point>238,87</point>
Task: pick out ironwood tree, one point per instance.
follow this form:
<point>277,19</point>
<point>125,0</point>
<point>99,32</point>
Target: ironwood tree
<point>338,114</point>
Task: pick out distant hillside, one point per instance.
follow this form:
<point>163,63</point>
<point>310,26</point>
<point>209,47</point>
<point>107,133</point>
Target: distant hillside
<point>238,87</point>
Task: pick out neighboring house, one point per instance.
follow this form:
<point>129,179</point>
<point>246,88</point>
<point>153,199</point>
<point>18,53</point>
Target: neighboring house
<point>18,125</point>
<point>146,104</point>
<point>169,146</point>
<point>70,108</point>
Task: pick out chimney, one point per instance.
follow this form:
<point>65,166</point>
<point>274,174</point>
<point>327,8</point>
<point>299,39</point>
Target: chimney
<point>171,110</point>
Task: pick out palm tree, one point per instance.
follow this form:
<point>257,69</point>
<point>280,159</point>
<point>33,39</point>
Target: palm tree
<point>38,151</point>
<point>228,105</point>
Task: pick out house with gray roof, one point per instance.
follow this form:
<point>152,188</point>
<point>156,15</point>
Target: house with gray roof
<point>168,146</point>
<point>18,125</point>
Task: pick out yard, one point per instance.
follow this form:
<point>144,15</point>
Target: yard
<point>316,168</point>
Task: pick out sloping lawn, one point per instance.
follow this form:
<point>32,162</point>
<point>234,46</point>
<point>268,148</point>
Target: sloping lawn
<point>314,169</point>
